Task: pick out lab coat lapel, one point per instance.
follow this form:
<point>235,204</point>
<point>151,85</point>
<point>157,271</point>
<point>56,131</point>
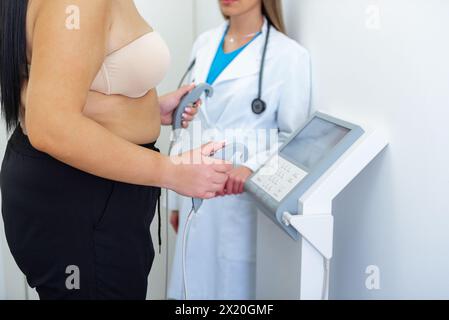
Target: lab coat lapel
<point>247,62</point>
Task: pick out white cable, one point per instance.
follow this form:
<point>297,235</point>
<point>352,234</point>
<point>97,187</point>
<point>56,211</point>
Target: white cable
<point>170,148</point>
<point>166,241</point>
<point>184,252</point>
<point>184,240</point>
<point>326,277</point>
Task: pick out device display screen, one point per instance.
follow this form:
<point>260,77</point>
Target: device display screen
<point>313,143</point>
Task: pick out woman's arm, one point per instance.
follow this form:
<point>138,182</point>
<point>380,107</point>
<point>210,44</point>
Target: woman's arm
<point>64,64</point>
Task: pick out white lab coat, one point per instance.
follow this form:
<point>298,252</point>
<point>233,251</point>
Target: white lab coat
<point>221,251</point>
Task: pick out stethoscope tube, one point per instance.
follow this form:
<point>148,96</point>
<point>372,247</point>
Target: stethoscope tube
<point>258,106</point>
<point>189,69</point>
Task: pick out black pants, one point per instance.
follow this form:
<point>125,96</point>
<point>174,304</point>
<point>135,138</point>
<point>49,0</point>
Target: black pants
<point>75,235</point>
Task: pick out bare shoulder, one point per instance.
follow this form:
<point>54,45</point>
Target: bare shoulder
<point>69,37</point>
<point>97,6</point>
<point>68,22</point>
<point>71,14</point>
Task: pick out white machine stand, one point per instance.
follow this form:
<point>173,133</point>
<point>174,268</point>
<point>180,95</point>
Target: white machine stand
<point>315,222</point>
<point>311,168</point>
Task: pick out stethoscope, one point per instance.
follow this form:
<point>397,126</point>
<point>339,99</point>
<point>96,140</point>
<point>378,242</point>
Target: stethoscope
<point>258,106</point>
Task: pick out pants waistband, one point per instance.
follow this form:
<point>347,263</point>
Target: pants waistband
<point>21,141</point>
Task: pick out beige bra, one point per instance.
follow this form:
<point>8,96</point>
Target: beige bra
<point>134,69</point>
<point>131,71</point>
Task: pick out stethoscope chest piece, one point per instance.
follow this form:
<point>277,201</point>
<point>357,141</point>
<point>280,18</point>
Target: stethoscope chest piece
<point>259,106</point>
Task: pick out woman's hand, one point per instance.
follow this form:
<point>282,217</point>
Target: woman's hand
<point>170,102</point>
<point>236,181</point>
<point>174,220</point>
<point>197,175</point>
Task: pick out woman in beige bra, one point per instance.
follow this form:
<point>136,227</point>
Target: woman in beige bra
<point>81,176</point>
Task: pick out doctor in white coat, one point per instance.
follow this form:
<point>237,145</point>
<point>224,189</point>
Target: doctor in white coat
<point>221,251</point>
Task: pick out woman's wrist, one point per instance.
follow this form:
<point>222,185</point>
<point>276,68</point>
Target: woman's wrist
<point>169,172</point>
<point>161,100</point>
<point>166,107</point>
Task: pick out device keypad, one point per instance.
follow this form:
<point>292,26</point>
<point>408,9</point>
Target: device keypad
<point>279,177</point>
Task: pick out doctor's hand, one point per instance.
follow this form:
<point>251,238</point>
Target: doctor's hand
<point>174,220</point>
<point>170,102</point>
<point>197,175</point>
<point>236,181</point>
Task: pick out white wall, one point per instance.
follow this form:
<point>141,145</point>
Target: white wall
<point>207,15</point>
<point>2,270</point>
<point>12,281</point>
<point>384,62</point>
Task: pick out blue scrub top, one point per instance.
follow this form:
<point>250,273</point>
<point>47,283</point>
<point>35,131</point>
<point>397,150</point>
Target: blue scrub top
<point>222,60</point>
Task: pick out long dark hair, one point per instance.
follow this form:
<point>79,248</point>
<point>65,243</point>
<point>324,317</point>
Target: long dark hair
<point>13,58</point>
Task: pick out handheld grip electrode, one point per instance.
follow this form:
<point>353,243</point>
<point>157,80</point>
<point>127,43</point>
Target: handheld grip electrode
<point>188,100</point>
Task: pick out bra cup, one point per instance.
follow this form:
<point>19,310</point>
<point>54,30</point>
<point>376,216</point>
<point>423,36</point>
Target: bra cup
<point>101,83</point>
<point>135,69</point>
